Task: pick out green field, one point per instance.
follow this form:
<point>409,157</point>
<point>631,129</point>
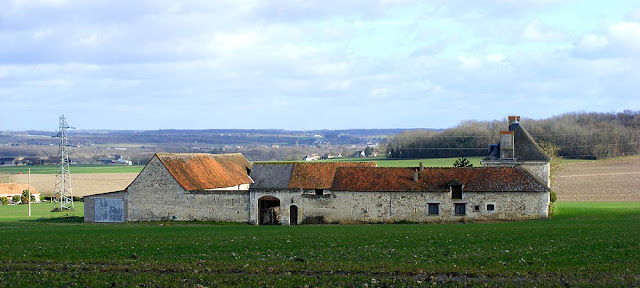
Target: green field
<point>584,244</point>
<point>40,211</point>
<point>80,169</point>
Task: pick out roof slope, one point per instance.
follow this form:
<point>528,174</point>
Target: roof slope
<point>270,175</point>
<point>199,171</point>
<point>15,189</point>
<point>294,175</point>
<point>525,148</point>
<point>480,179</point>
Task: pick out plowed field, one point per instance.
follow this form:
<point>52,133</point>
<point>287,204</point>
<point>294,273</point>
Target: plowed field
<point>82,184</point>
<point>603,180</point>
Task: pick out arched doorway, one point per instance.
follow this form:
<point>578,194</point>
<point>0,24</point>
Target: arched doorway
<point>293,215</point>
<point>268,210</point>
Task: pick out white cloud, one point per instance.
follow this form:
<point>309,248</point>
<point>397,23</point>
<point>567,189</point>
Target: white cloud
<point>536,31</point>
<point>592,42</point>
<point>627,33</point>
<point>410,57</point>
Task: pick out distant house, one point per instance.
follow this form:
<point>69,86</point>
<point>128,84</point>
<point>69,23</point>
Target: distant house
<point>7,161</point>
<point>312,157</point>
<point>359,154</point>
<point>116,159</point>
<point>13,189</point>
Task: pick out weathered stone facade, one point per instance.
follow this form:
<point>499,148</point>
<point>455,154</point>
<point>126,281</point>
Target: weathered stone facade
<point>385,207</point>
<point>156,195</point>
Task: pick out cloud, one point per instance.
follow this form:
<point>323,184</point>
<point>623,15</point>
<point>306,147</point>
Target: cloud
<point>536,31</point>
<point>621,39</point>
<point>196,64</point>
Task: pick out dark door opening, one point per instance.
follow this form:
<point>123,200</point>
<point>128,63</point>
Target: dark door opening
<point>268,210</point>
<point>293,217</point>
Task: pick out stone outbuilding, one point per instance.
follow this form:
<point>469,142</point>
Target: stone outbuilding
<point>207,187</point>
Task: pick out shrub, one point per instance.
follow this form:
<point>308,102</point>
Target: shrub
<point>4,200</point>
<point>552,196</point>
<point>15,199</point>
<point>314,220</point>
<point>24,199</point>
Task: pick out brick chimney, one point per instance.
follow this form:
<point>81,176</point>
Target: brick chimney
<point>513,119</point>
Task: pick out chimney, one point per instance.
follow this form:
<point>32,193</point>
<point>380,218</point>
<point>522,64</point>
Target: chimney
<point>514,119</point>
<point>421,167</point>
<point>415,176</point>
<point>506,145</point>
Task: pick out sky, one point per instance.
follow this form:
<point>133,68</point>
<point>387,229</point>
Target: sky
<point>303,65</point>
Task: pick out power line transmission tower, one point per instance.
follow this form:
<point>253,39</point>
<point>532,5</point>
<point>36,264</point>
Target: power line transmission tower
<point>62,196</point>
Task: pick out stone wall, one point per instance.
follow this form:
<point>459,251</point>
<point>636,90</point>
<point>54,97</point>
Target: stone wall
<point>376,207</point>
<point>540,170</point>
<point>156,196</point>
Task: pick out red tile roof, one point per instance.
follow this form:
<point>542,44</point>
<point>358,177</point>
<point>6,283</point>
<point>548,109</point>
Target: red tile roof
<point>319,175</point>
<point>15,189</point>
<point>481,179</point>
<point>195,171</point>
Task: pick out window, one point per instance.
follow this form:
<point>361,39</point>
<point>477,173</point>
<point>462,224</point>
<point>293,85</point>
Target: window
<point>434,209</point>
<point>456,191</point>
<point>476,208</point>
<point>460,209</point>
<point>491,207</point>
<point>319,192</point>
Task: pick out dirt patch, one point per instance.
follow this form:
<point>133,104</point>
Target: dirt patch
<point>603,180</point>
<point>82,184</point>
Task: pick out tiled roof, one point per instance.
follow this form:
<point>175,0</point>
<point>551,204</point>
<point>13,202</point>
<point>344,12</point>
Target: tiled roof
<point>525,148</point>
<point>195,171</point>
<point>15,189</point>
<point>481,179</point>
<point>319,175</point>
<point>305,175</point>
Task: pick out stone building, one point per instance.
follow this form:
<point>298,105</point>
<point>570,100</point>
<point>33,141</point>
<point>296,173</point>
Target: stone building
<point>518,149</point>
<point>389,194</point>
<point>179,187</point>
<point>226,187</point>
<point>291,193</point>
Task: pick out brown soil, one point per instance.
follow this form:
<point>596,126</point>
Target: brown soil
<point>82,184</point>
<point>603,180</point>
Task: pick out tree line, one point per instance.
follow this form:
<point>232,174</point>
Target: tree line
<point>585,135</point>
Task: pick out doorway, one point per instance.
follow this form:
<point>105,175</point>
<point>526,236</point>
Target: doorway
<point>268,210</point>
<point>293,215</point>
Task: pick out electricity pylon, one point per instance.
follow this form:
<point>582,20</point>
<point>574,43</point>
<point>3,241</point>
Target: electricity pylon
<point>62,195</point>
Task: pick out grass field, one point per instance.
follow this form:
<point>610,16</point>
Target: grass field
<point>40,211</point>
<point>79,169</point>
<point>584,244</point>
